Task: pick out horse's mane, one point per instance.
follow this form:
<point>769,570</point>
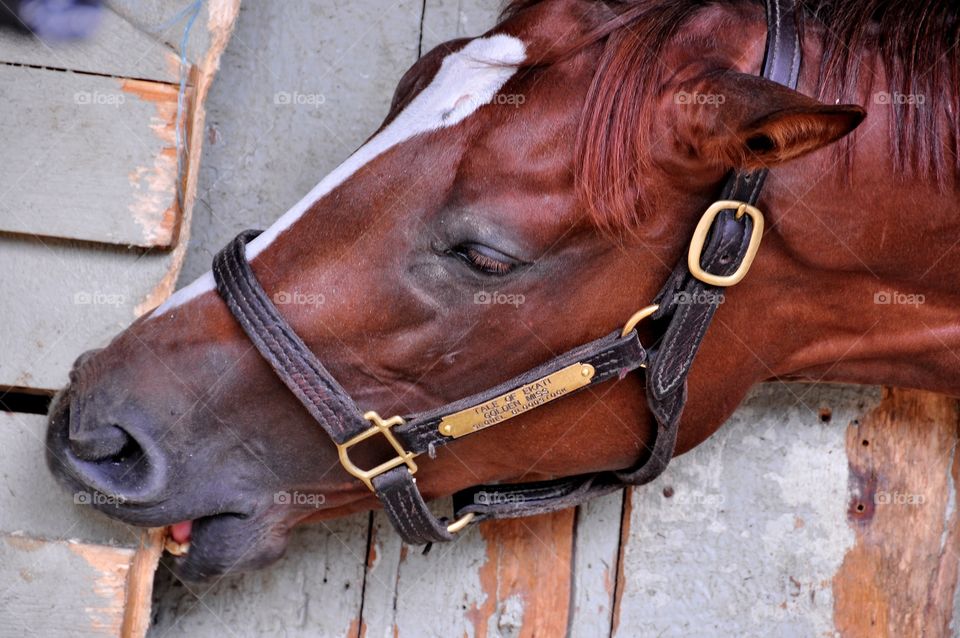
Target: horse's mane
<point>916,41</point>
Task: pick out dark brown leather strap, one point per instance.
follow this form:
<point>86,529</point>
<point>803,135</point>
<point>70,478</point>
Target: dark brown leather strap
<point>612,357</point>
<point>324,398</point>
<point>298,368</point>
<point>687,303</point>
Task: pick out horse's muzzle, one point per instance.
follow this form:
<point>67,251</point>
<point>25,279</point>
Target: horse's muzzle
<point>98,445</point>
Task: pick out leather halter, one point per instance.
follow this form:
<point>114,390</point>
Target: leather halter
<point>720,254</point>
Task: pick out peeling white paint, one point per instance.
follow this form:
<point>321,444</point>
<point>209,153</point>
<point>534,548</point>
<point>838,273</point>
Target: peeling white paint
<point>761,560</point>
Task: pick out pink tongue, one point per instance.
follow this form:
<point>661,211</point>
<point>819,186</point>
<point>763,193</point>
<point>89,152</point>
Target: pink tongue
<point>180,532</point>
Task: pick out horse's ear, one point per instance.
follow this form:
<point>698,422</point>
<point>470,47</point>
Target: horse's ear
<point>734,120</point>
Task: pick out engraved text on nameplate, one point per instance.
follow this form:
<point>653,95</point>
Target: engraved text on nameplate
<point>515,402</point>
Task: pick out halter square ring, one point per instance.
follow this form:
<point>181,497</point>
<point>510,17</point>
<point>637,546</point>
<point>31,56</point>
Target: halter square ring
<point>380,426</point>
<point>700,238</point>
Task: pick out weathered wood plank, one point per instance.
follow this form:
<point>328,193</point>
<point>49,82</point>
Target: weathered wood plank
<point>88,157</point>
<point>160,19</point>
<point>138,607</point>
<point>61,298</point>
<point>508,578</point>
<point>900,577</point>
<point>742,536</point>
<point>596,552</point>
<point>65,589</point>
<point>315,590</point>
<point>117,48</point>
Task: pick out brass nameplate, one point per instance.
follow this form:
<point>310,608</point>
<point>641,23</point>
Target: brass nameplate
<point>527,397</point>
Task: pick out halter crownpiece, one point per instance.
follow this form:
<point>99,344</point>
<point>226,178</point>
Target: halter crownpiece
<point>721,251</point>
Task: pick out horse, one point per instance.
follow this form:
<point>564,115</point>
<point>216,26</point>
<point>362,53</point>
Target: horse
<point>528,191</point>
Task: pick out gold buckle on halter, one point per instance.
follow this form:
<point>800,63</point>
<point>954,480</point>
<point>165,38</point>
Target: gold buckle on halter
<point>380,426</point>
<point>700,238</point>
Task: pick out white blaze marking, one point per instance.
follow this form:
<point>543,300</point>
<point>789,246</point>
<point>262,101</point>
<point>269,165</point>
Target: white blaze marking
<point>467,79</point>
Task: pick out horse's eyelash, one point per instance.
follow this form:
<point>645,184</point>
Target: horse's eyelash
<point>487,263</point>
<point>482,262</point>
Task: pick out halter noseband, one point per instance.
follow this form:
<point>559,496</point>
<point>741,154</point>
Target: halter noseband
<point>721,251</point>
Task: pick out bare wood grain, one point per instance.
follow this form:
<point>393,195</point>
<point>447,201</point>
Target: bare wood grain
<point>900,577</point>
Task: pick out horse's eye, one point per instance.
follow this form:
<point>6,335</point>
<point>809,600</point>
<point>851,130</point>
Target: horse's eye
<point>485,259</point>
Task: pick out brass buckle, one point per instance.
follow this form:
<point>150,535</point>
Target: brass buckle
<point>380,426</point>
<point>637,317</point>
<point>460,523</point>
<point>700,238</point>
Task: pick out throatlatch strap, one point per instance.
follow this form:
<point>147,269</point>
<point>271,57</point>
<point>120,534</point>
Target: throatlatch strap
<point>687,302</point>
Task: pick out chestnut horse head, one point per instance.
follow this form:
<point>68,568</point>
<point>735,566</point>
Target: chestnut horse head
<point>529,190</point>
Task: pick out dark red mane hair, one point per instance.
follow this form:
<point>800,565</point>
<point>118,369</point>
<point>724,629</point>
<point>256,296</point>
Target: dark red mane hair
<point>916,41</point>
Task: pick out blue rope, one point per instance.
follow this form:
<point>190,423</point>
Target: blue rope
<point>192,10</point>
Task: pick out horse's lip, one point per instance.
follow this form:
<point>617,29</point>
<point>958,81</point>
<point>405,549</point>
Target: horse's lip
<point>224,543</point>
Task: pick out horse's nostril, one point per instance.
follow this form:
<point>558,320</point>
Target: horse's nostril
<point>101,455</point>
<point>111,461</point>
<point>102,443</point>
